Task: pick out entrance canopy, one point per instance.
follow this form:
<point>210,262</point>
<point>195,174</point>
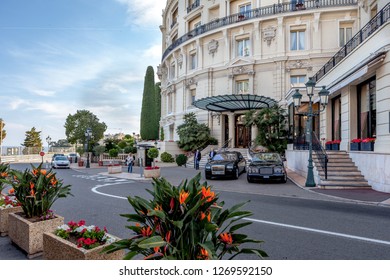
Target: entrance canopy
<point>234,102</point>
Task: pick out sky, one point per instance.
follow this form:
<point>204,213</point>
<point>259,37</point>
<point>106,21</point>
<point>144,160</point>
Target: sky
<point>60,56</point>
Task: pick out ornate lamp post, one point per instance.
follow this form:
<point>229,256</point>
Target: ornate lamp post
<point>323,95</point>
<point>48,140</point>
<point>88,134</point>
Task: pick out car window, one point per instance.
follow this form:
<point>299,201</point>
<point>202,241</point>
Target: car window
<point>225,156</point>
<point>266,157</point>
<point>60,158</point>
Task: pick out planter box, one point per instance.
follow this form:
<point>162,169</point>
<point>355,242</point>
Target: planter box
<point>367,146</point>
<point>28,235</point>
<point>328,147</point>
<point>335,147</point>
<point>57,248</point>
<point>113,169</point>
<point>354,146</point>
<point>152,173</point>
<point>4,212</point>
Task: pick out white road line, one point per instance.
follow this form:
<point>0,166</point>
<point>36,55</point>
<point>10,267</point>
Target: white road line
<point>383,242</point>
<point>94,189</point>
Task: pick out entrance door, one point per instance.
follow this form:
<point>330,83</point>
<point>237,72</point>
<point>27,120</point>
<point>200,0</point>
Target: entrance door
<point>243,133</point>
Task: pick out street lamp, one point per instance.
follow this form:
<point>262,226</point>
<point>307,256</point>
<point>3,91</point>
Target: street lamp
<point>323,95</point>
<point>88,134</point>
<point>48,140</point>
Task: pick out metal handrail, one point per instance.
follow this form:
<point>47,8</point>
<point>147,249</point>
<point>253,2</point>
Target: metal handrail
<point>321,153</point>
<point>225,145</point>
<point>374,24</point>
<point>256,13</point>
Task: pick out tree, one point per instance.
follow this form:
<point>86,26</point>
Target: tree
<point>77,124</point>
<point>157,89</point>
<point>271,123</point>
<point>3,133</point>
<point>193,135</point>
<point>149,123</point>
<point>32,142</point>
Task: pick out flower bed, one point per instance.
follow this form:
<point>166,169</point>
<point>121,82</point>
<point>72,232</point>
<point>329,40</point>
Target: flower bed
<point>152,172</point>
<point>7,205</point>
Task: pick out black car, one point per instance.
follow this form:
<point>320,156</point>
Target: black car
<point>225,164</point>
<point>267,166</point>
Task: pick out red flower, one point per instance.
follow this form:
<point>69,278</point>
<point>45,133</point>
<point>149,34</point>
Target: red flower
<point>356,140</point>
<point>146,231</point>
<point>367,140</point>
<point>81,223</point>
<point>226,238</point>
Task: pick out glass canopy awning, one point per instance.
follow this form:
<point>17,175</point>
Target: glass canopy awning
<point>234,102</point>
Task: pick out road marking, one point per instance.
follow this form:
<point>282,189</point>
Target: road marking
<point>94,189</point>
<point>383,242</point>
<point>103,178</point>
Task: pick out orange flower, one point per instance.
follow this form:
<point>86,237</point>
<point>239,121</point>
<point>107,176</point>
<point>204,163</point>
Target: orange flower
<point>203,254</point>
<point>35,172</point>
<point>226,238</point>
<point>32,185</point>
<point>53,181</point>
<point>183,196</point>
<point>146,231</point>
<point>32,193</point>
<point>158,208</point>
<point>207,193</point>
<point>168,236</point>
<point>137,225</point>
<point>11,191</point>
<point>3,174</point>
<point>156,249</point>
<point>205,215</point>
<point>43,172</point>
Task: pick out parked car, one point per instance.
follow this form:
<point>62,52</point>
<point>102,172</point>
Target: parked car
<point>56,155</point>
<point>60,162</point>
<point>266,166</point>
<point>225,164</point>
<point>73,157</point>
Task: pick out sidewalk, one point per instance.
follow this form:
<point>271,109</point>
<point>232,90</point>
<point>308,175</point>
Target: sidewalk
<point>368,196</point>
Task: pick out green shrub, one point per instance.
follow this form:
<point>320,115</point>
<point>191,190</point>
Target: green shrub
<point>167,157</point>
<point>181,159</point>
<point>113,152</point>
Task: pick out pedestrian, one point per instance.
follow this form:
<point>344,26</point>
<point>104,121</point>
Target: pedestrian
<point>211,154</point>
<point>129,162</point>
<point>197,157</point>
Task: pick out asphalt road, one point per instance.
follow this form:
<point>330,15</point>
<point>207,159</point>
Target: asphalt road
<point>294,223</point>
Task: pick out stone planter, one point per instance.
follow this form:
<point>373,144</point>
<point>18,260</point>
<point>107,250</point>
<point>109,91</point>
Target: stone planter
<point>4,212</point>
<point>28,234</point>
<point>152,173</point>
<point>367,146</point>
<point>113,169</point>
<point>57,248</point>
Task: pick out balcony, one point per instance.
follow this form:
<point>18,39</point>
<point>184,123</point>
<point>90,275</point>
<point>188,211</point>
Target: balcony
<point>193,6</point>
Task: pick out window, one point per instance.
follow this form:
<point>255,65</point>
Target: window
<point>297,40</point>
<point>192,61</point>
<point>172,71</point>
<point>367,109</point>
<point>345,34</point>
<point>297,81</point>
<point>170,103</point>
<point>193,96</point>
<point>245,8</point>
<point>242,87</point>
<point>243,47</point>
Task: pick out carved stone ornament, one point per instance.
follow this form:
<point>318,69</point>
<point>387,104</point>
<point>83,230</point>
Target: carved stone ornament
<point>171,89</point>
<point>191,81</point>
<point>242,70</point>
<point>179,59</point>
<point>269,34</point>
<point>299,64</point>
<point>213,47</point>
<point>363,4</point>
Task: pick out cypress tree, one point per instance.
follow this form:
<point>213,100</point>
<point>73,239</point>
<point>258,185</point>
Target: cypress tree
<point>158,104</point>
<point>148,125</point>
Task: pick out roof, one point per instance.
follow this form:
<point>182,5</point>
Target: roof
<point>234,102</point>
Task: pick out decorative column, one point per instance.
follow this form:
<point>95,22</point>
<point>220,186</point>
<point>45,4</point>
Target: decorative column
<point>254,132</point>
<point>232,130</point>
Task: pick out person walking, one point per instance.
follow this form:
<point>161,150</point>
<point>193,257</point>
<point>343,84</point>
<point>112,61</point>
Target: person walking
<point>211,154</point>
<point>197,157</point>
<point>130,161</point>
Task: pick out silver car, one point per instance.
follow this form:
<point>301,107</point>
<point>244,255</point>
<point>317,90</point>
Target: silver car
<point>60,162</point>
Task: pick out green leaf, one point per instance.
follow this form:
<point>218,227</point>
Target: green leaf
<point>238,226</point>
<point>155,241</point>
<point>159,214</point>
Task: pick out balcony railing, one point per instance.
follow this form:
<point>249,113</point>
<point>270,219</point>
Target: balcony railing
<point>193,6</point>
<point>374,24</point>
<point>256,13</point>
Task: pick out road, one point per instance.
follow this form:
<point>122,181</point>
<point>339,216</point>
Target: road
<point>295,224</point>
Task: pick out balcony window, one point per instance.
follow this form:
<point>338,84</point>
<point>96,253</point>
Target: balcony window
<point>345,34</point>
<point>297,40</point>
<point>193,61</point>
<point>242,87</point>
<point>172,71</point>
<point>193,4</point>
<point>243,47</point>
<point>298,81</point>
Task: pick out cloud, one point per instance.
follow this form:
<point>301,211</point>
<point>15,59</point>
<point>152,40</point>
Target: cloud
<point>144,12</point>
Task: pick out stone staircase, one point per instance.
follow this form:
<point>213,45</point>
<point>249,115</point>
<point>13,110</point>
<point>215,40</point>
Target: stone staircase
<point>342,172</point>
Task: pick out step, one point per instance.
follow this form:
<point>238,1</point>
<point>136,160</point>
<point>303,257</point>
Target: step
<point>321,186</point>
<point>344,178</point>
<point>340,173</point>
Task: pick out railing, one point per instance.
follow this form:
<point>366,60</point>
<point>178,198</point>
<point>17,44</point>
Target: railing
<point>321,154</point>
<point>374,24</point>
<point>193,6</point>
<point>256,13</point>
<point>226,144</point>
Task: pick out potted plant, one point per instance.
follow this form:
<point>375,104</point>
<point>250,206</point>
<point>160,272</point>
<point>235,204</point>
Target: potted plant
<point>355,144</point>
<point>76,241</point>
<point>186,222</point>
<point>336,145</point>
<point>152,171</point>
<point>328,145</point>
<point>367,144</point>
<point>36,190</point>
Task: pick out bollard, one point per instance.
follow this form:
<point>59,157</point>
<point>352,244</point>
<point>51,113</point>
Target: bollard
<point>140,167</point>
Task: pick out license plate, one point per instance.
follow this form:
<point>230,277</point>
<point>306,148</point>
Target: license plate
<point>266,177</point>
<point>218,172</point>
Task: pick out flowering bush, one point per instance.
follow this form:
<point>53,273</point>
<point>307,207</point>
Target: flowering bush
<point>8,202</point>
<point>87,237</point>
<point>367,140</point>
<point>4,172</point>
<point>333,142</point>
<point>185,223</point>
<point>37,190</point>
<point>151,167</point>
<point>356,140</point>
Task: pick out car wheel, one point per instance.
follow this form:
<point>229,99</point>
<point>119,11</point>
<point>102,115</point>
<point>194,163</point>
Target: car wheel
<point>208,177</point>
<point>284,179</point>
<point>250,180</point>
<point>236,173</point>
